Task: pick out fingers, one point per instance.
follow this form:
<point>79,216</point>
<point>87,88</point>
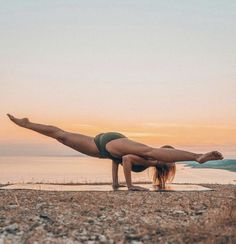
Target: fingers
<point>116,187</point>
<point>137,188</point>
<point>133,189</point>
<point>122,185</point>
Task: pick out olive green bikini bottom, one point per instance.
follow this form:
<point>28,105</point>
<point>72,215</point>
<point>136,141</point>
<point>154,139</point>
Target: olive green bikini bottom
<point>102,139</point>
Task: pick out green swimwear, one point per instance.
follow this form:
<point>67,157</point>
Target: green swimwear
<point>103,138</point>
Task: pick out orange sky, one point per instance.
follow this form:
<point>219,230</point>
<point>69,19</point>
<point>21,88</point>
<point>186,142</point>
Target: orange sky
<point>160,73</point>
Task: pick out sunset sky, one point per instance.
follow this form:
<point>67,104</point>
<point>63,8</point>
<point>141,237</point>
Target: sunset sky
<point>161,72</point>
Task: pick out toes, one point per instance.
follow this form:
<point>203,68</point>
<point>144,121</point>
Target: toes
<point>10,116</point>
<point>218,154</point>
<point>221,156</point>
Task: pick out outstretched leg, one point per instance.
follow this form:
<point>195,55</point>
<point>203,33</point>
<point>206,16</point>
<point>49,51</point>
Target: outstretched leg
<point>124,146</point>
<point>47,130</point>
<point>81,143</point>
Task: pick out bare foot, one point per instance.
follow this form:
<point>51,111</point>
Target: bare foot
<point>214,155</point>
<point>21,122</point>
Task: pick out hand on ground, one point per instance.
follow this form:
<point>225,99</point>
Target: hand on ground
<point>117,186</point>
<point>137,188</point>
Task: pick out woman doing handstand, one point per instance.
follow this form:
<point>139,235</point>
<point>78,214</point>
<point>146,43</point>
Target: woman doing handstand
<point>134,156</point>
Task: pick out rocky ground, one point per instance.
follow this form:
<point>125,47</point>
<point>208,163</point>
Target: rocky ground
<point>28,216</point>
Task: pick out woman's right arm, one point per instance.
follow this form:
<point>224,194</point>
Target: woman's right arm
<point>127,166</point>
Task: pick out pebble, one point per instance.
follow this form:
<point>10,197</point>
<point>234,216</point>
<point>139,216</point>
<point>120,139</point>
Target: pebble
<point>83,238</point>
<point>90,220</point>
<point>117,214</point>
<point>45,217</point>
<point>102,238</point>
<point>39,205</point>
<point>90,242</point>
<point>102,217</point>
<point>2,238</point>
<point>40,199</point>
<point>133,237</point>
<point>84,232</point>
<point>12,229</point>
<point>121,220</point>
<point>199,212</point>
<point>92,238</point>
<point>12,206</point>
<point>146,237</point>
<point>179,212</point>
<point>20,233</point>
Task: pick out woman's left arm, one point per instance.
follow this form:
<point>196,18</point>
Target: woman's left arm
<point>115,183</point>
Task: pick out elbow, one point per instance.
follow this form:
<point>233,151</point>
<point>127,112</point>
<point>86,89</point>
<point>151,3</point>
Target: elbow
<point>126,158</point>
<point>126,162</point>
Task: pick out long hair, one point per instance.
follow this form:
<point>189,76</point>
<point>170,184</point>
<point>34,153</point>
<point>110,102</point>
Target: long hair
<point>164,172</point>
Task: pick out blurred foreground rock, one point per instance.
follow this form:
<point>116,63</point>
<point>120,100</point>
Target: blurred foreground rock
<point>28,216</point>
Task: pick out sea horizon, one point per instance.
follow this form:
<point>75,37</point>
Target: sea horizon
<point>80,169</point>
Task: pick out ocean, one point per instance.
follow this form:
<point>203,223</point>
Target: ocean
<point>83,169</point>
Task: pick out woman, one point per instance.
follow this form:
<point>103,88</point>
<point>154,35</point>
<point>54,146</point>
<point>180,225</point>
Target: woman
<point>134,156</point>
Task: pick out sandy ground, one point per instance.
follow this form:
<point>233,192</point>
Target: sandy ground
<point>28,216</point>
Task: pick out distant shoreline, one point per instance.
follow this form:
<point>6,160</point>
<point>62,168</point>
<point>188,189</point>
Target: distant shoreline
<point>226,164</point>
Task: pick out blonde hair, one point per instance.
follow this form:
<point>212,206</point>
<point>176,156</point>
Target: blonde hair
<point>164,172</point>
